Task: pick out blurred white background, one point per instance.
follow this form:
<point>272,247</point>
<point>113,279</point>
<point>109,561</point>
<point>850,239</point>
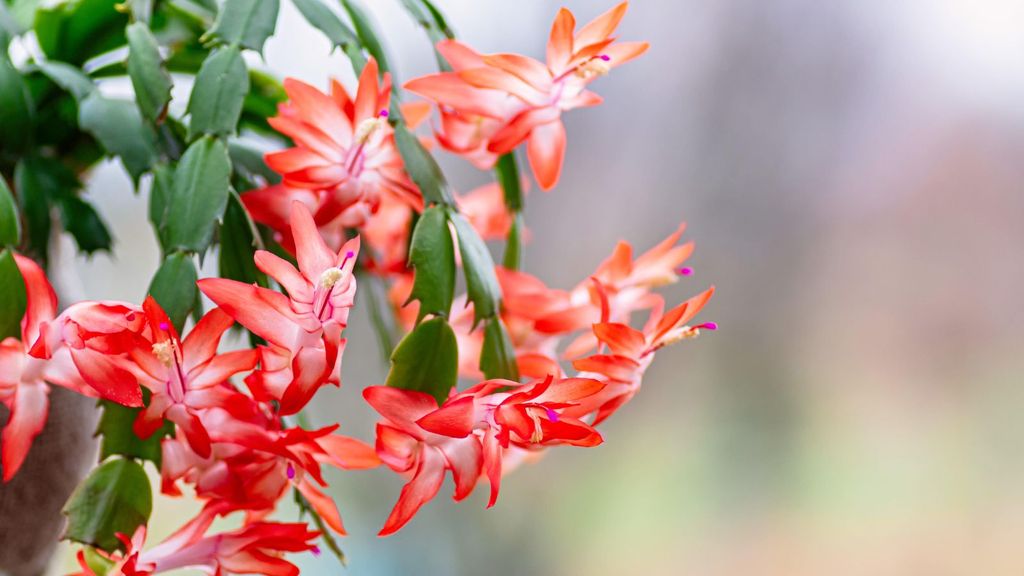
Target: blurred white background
<point>852,173</point>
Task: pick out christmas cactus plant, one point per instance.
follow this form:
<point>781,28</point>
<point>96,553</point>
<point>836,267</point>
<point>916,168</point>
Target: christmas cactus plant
<point>313,202</point>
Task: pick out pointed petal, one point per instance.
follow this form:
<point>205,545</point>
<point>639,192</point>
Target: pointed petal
<point>454,419</point>
<point>622,52</point>
<point>323,504</point>
<point>523,67</point>
<point>465,458</point>
<point>310,249</point>
<point>320,110</point>
<point>560,41</point>
<point>279,269</point>
<point>546,151</point>
<point>621,339</point>
<point>243,303</point>
<point>421,489</point>
<point>201,343</point>
<point>27,420</point>
<point>600,28</point>
<point>41,301</point>
<point>349,453</point>
<point>368,92</point>
<point>108,379</point>
<point>222,367</point>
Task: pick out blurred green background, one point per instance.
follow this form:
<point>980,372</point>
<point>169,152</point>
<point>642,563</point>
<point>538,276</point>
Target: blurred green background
<point>852,174</point>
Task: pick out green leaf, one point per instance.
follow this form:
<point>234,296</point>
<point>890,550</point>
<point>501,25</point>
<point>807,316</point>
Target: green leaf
<point>84,224</point>
<point>422,167</point>
<point>265,93</point>
<point>10,224</point>
<point>513,258</point>
<point>498,356</point>
<point>426,360</point>
<point>100,565</point>
<point>481,282</point>
<point>68,77</point>
<point>174,287</point>
<point>218,94</point>
<point>367,35</point>
<point>115,498</point>
<point>16,109</point>
<point>74,31</point>
<point>238,245</point>
<point>12,296</point>
<point>150,79</point>
<point>340,35</point>
<point>246,23</point>
<point>247,159</point>
<point>40,182</point>
<point>432,255</point>
<point>118,125</point>
<point>159,195</point>
<point>119,439</point>
<point>199,195</point>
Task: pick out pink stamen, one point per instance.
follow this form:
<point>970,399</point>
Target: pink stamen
<point>315,550</point>
<point>552,415</point>
<point>130,316</point>
<point>605,57</point>
<point>383,114</point>
<point>686,270</point>
<point>290,472</point>
<point>708,326</point>
<point>164,326</point>
<point>350,254</point>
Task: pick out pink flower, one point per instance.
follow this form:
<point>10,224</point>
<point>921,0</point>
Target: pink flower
<point>496,102</point>
<point>304,327</point>
<point>23,378</point>
<point>344,147</point>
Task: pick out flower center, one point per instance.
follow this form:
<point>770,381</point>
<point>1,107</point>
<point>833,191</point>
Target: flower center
<point>330,277</point>
<point>164,352</point>
<point>370,126</point>
<point>596,66</point>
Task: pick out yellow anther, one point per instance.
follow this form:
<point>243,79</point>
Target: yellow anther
<point>164,352</point>
<point>330,277</point>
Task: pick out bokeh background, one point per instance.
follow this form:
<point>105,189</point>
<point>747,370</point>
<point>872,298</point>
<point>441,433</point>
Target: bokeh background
<point>852,173</point>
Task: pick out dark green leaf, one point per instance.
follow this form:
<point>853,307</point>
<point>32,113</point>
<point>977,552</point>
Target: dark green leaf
<point>146,68</point>
<point>340,35</point>
<point>198,195</point>
<point>422,167</point>
<point>68,77</point>
<point>118,125</point>
<point>426,360</point>
<point>10,224</point>
<point>119,439</point>
<point>16,108</point>
<point>432,255</point>
<point>247,159</point>
<point>367,35</point>
<point>513,259</point>
<point>218,94</point>
<point>498,356</point>
<point>174,287</point>
<point>481,282</point>
<point>265,93</point>
<point>238,245</point>
<point>159,195</point>
<point>39,182</point>
<point>75,31</point>
<point>115,498</point>
<point>507,171</point>
<point>246,23</point>
<point>84,224</point>
<point>12,296</point>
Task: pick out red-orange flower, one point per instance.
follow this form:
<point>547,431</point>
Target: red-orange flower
<point>498,101</point>
<point>344,147</point>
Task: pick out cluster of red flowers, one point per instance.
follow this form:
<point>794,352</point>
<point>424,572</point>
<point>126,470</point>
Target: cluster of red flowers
<point>234,445</point>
